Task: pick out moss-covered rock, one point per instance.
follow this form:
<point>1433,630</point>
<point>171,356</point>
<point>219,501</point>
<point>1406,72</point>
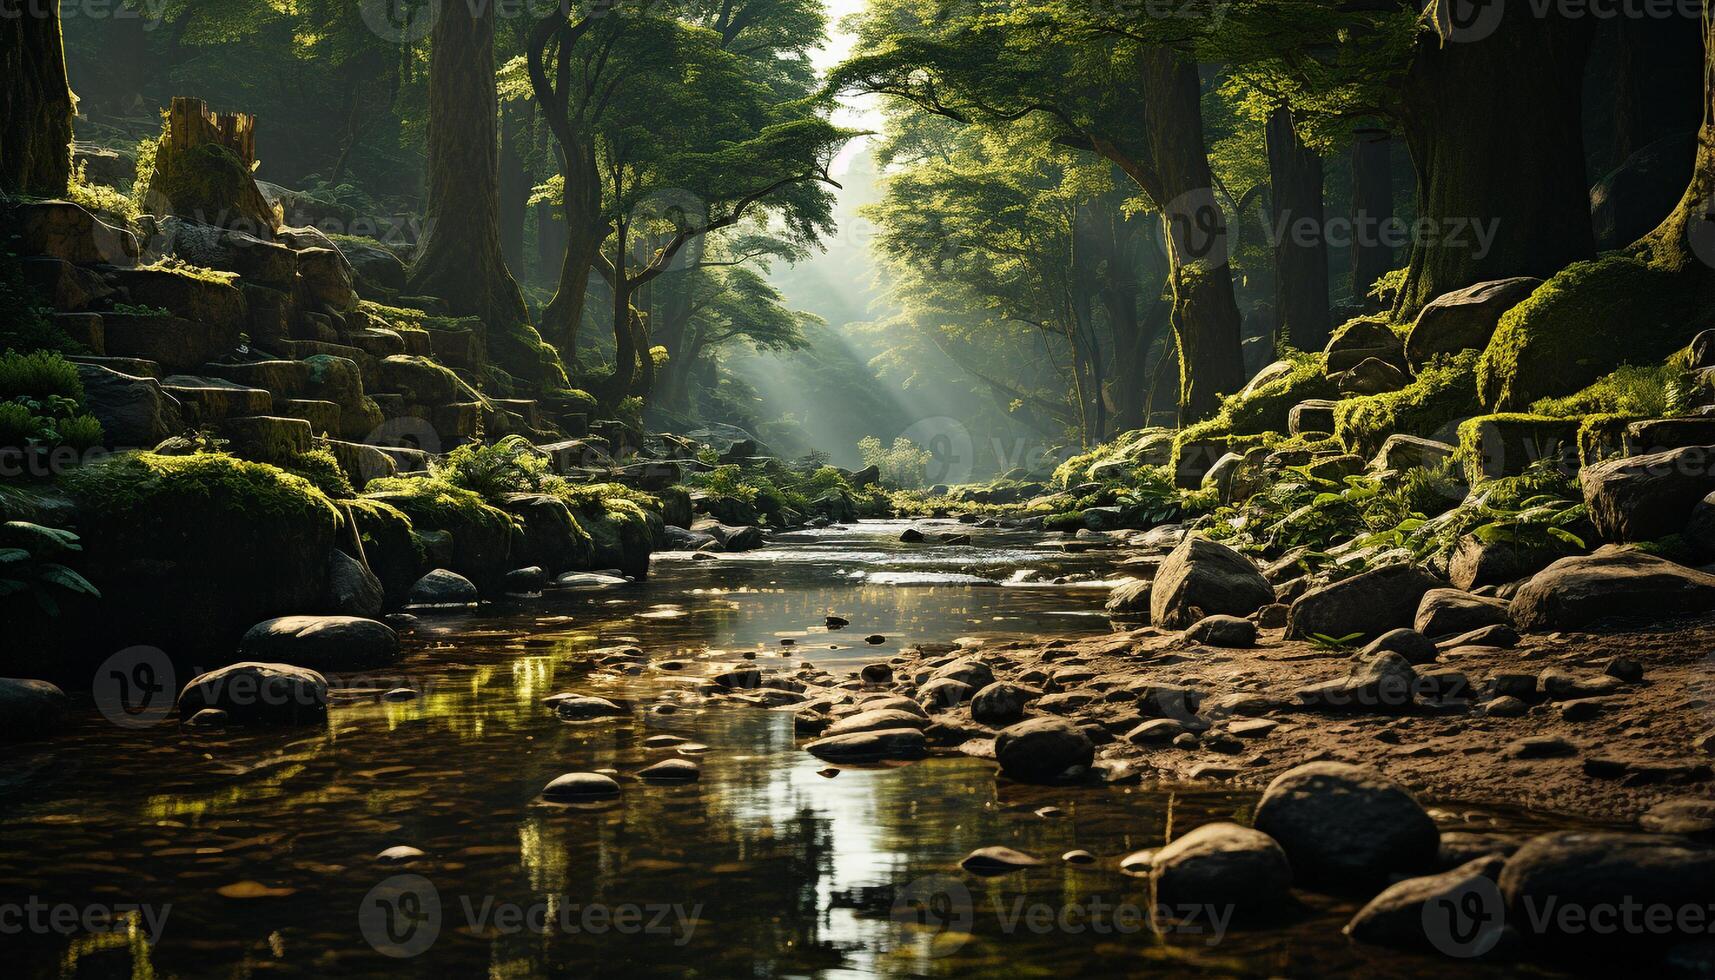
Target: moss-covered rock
<point>481,535</point>
<point>623,529</point>
<point>1581,324</point>
<point>191,551</point>
<point>1359,340</point>
<point>1492,446</point>
<point>1602,437</point>
<point>389,545</point>
<point>553,539</point>
<point>1249,419</point>
<point>1431,406</point>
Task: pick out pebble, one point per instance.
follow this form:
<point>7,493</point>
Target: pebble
<point>400,852</point>
<point>580,786</point>
<point>1078,857</point>
<point>1540,747</point>
<point>997,860</point>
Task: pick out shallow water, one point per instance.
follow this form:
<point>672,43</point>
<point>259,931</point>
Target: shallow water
<point>261,848</point>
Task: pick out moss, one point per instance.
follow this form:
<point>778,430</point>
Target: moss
<point>1065,523</point>
<point>189,270</point>
<point>39,375</point>
<point>1442,393</point>
<point>417,318</point>
<point>206,182</point>
<point>1602,436</point>
<point>1642,391</point>
<point>192,550</point>
<point>520,351</point>
<point>623,529</point>
<point>1587,320</point>
<point>321,468</point>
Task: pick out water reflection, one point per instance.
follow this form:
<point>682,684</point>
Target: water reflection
<point>763,868</point>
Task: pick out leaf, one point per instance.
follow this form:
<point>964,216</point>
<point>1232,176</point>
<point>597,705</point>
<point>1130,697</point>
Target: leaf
<point>67,579</point>
<point>1561,534</point>
<point>13,554</point>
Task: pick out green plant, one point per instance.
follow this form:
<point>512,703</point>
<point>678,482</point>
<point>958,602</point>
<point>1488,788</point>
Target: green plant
<point>135,309</point>
<point>29,564</point>
<point>903,465</point>
<point>511,465</point>
<point>1337,644</point>
<point>100,199</point>
<point>39,375</point>
<point>323,471</point>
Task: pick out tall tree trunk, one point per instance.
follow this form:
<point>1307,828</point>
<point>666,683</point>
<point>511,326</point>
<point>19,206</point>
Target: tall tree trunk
<point>1372,209</point>
<point>585,231</point>
<point>460,259</point>
<point>550,252</point>
<point>1301,243</point>
<point>1167,156</point>
<point>1494,126</point>
<point>1685,242</point>
<point>35,102</point>
<point>514,182</point>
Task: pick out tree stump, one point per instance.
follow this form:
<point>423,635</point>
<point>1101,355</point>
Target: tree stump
<point>203,165</point>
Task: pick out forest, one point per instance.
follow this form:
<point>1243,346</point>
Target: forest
<point>857,487</point>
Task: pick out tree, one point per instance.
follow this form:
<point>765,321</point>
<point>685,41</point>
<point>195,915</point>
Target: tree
<point>1301,244</point>
<point>36,108</point>
<point>459,258</point>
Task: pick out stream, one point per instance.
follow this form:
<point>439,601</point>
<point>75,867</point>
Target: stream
<point>257,851</point>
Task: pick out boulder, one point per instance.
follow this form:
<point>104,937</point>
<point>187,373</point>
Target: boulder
<point>944,692</point>
<point>326,278</point>
<point>1477,563</point>
<point>1649,436</point>
<point>1345,826</point>
<point>1360,340</point>
<point>1385,682</point>
<point>1043,750</point>
<point>1402,452</point>
<point>1641,498</point>
<point>1464,319</point>
<point>258,261</point>
<point>1222,865</point>
<point>177,344</point>
<point>1615,581</point>
<point>1412,914</point>
<point>1367,604</point>
<point>1312,415</point>
<point>553,539</point>
<point>1000,703</point>
<point>353,590</point>
<point>378,270</point>
<point>1222,631</point>
<point>200,298</point>
<point>877,720</point>
<point>1451,612</point>
<point>893,743</point>
<point>134,412</point>
<point>442,588</point>
<point>1201,578</point>
<point>69,233</point>
<point>525,581</point>
<point>1372,376</point>
<point>322,643</point>
<point>1416,648</point>
<point>1625,874</point>
<point>576,787</point>
<point>1130,600</point>
<point>30,709</point>
<point>1507,445</point>
<point>260,694</point>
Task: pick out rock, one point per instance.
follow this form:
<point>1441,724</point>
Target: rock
<point>894,743</point>
<point>996,860</point>
<point>877,720</point>
<point>1508,444</point>
<point>1043,750</point>
<point>442,588</point>
<point>589,580</point>
<point>1346,826</point>
<point>1540,747</point>
<point>353,590</point>
<point>30,709</point>
<point>911,536</point>
<point>1385,682</point>
<point>265,263</point>
<point>326,277</point>
<point>577,786</point>
<point>1157,731</point>
<point>731,538</point>
<point>876,673</point>
<point>1625,874</point>
<point>134,412</point>
<point>672,771</point>
<point>965,670</point>
<point>1488,636</point>
<point>1372,376</point>
<point>1361,339</point>
<point>944,692</point>
<point>574,707</point>
<point>322,643</point>
<point>868,476</point>
<point>553,540</point>
<point>1555,684</point>
<point>1272,616</point>
<point>1686,817</point>
<point>1506,706</point>
<point>1367,604</point>
<point>377,269</point>
<point>68,232</point>
<point>1450,612</point>
<point>1312,415</point>
<point>1223,631</point>
<point>208,719</point>
<point>1612,582</point>
<point>1464,319</point>
<point>1403,452</point>
<point>1411,914</point>
<point>1337,468</point>
<point>1130,600</point>
<point>1000,703</point>
<point>1475,563</point>
<point>1461,847</point>
<point>1416,648</point>
<point>1641,498</point>
<point>875,639</point>
<point>261,694</point>
<point>1208,577</point>
<point>1222,865</point>
<point>1625,669</point>
<point>1629,201</point>
<point>524,581</point>
<point>739,679</point>
<point>400,852</point>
